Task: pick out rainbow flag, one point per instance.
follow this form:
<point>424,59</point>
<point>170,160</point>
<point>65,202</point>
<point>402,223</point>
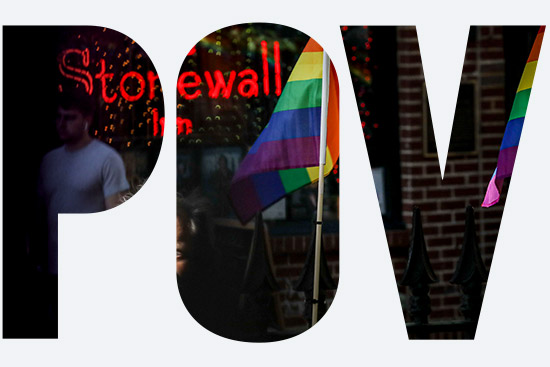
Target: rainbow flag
<point>285,157</point>
<point>512,134</point>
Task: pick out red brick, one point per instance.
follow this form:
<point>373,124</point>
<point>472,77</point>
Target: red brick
<point>492,116</point>
<point>492,129</point>
<point>413,195</point>
<point>461,167</point>
<point>410,59</point>
<point>493,68</point>
<point>452,253</point>
<point>491,43</point>
<point>406,32</point>
<point>492,54</point>
<point>408,46</point>
<point>458,228</point>
<point>468,68</point>
<point>414,83</point>
<point>438,193</point>
<point>441,218</point>
<point>453,180</point>
<point>424,182</point>
<point>426,206</point>
<point>467,192</point>
<point>452,204</point>
<point>404,108</point>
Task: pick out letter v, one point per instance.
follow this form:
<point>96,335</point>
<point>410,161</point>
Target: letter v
<point>451,246</point>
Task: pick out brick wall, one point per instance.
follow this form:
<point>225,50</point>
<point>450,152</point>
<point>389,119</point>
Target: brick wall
<point>443,203</point>
<point>289,255</point>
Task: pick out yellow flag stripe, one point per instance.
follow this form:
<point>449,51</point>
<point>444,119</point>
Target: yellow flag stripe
<point>528,76</point>
<point>309,66</point>
<point>313,172</point>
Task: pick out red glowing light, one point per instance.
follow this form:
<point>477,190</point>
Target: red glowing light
<point>375,126</point>
<point>345,28</point>
<point>277,56</point>
<point>79,75</point>
<point>220,86</point>
<point>265,68</point>
<point>362,105</point>
<point>141,80</point>
<point>182,84</point>
<point>151,78</point>
<point>102,76</point>
<point>251,84</point>
<point>157,123</point>
<point>181,122</point>
<point>193,51</point>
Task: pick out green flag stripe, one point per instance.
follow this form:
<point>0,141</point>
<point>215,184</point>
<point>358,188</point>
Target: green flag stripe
<point>520,104</point>
<point>294,178</point>
<point>300,94</point>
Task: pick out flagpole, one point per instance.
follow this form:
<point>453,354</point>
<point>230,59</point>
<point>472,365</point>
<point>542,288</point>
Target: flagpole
<point>321,187</point>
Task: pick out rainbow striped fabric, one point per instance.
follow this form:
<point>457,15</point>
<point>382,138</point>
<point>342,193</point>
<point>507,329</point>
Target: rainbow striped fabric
<point>285,157</point>
<point>512,134</point>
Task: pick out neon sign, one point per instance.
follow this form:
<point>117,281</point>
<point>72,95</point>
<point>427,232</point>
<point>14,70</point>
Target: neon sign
<point>79,75</point>
<point>190,84</point>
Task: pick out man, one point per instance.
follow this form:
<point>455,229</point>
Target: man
<point>84,175</point>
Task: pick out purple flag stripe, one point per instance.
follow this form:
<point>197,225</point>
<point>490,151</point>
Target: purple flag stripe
<point>244,199</point>
<point>290,124</point>
<point>505,163</point>
<point>292,153</point>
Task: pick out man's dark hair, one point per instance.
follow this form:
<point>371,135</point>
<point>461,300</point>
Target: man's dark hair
<point>79,99</point>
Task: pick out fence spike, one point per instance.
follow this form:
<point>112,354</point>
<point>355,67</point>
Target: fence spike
<point>418,274</point>
<point>470,271</point>
<point>258,273</point>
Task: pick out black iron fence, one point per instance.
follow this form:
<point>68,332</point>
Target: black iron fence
<point>470,275</point>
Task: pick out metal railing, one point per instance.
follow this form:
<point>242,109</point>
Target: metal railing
<point>469,275</point>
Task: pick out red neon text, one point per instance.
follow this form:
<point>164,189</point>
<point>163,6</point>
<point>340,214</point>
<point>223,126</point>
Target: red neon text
<point>151,77</point>
<point>79,75</point>
<point>103,77</point>
<point>251,83</point>
<point>220,84</point>
<point>157,123</point>
<point>265,67</point>
<point>277,57</point>
<point>141,90</point>
<point>182,84</point>
<point>185,126</point>
<point>189,82</point>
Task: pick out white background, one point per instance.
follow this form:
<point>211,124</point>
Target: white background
<point>119,304</point>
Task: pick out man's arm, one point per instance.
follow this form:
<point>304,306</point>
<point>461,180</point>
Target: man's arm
<point>115,185</point>
<point>113,200</point>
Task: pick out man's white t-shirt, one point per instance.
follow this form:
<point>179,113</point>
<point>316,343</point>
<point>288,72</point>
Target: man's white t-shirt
<point>78,182</point>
